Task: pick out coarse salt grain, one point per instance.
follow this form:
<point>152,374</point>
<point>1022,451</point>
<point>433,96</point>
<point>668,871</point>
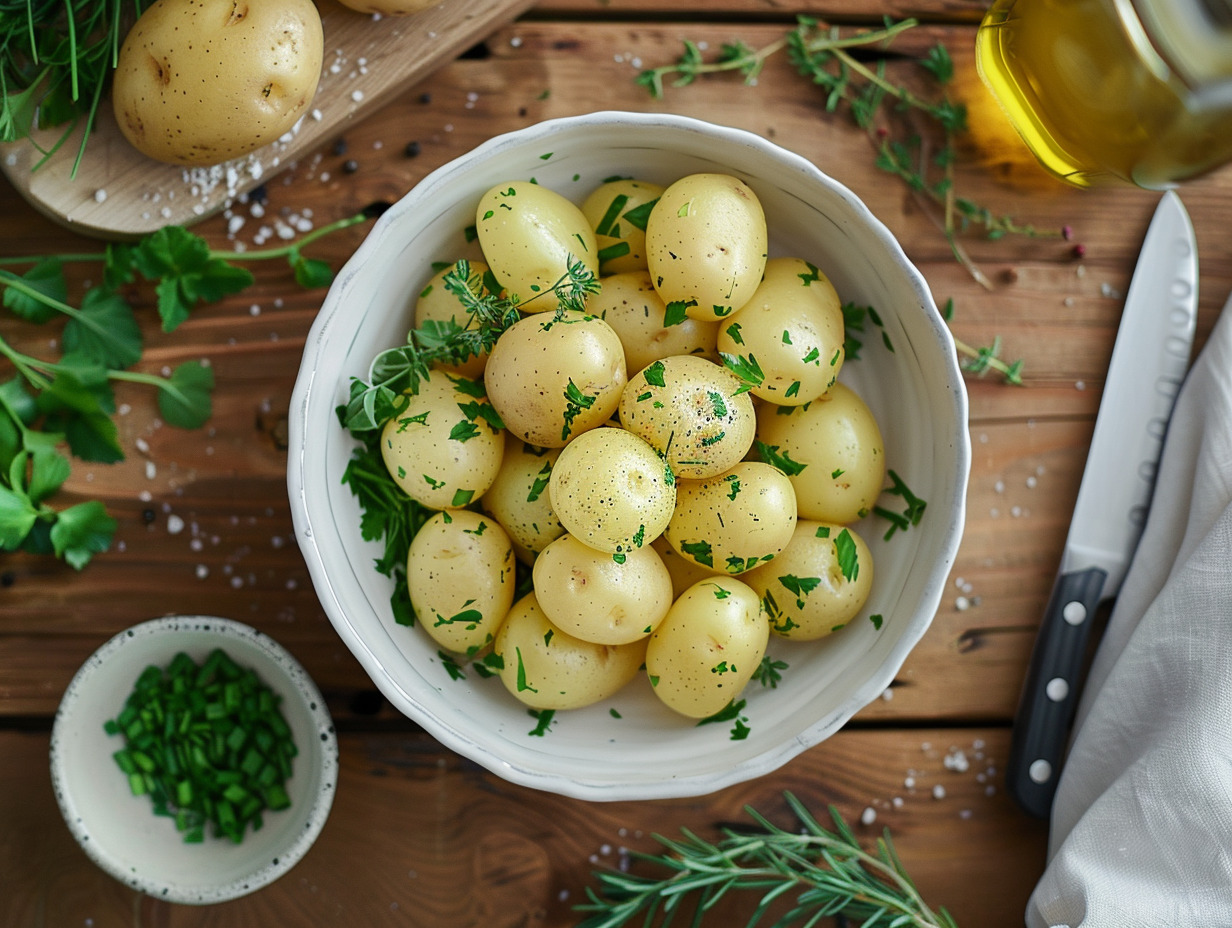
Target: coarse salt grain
<point>100,195</point>
<point>938,791</point>
<point>868,816</point>
<point>175,524</point>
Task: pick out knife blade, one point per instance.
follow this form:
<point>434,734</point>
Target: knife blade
<point>1149,361</point>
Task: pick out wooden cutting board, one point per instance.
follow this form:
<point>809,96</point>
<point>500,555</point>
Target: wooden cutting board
<point>120,193</point>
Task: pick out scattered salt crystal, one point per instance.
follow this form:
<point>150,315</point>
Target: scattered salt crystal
<point>1016,511</point>
<point>142,445</point>
<point>175,525</point>
<point>100,195</point>
<point>357,95</point>
<point>964,814</point>
<point>144,496</point>
<point>1031,482</point>
<point>202,571</point>
<point>1080,385</point>
<point>887,694</point>
<point>237,582</point>
<point>938,791</point>
<point>292,584</point>
<point>999,486</point>
<point>254,310</point>
<point>516,41</point>
<point>958,582</point>
<point>196,544</point>
<point>150,470</point>
<point>909,782</point>
<point>868,816</point>
<point>962,604</point>
<point>234,224</point>
<point>897,802</point>
<point>956,760</point>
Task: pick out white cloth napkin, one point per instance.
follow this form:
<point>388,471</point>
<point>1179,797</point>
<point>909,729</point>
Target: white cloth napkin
<point>1142,821</point>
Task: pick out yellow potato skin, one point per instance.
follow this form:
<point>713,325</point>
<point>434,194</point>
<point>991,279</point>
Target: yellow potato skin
<point>708,647</point>
<point>547,668</point>
<point>596,598</point>
<point>518,498</point>
<point>733,521</point>
<point>460,572</point>
<point>804,590</point>
<point>692,412</point>
<point>633,308</point>
<point>706,244</point>
<point>528,234</point>
<point>793,326</point>
<point>837,439</point>
<point>611,491</point>
<point>199,82</point>
<point>551,379</point>
<point>605,208</point>
<point>423,456</point>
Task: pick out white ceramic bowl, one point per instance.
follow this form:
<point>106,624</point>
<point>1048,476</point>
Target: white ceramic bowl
<point>630,747</point>
<point>120,831</point>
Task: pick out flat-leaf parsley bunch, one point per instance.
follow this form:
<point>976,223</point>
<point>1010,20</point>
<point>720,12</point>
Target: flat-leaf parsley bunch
<point>68,402</point>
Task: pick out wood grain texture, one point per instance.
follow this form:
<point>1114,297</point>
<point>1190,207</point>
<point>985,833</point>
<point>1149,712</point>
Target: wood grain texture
<point>205,524</point>
<point>116,192</point>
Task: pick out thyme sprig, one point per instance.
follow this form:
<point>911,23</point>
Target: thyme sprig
<point>828,872</point>
<point>823,55</point>
<point>396,372</point>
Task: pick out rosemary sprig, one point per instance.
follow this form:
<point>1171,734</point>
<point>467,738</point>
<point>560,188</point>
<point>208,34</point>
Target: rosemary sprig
<point>822,54</point>
<point>827,872</point>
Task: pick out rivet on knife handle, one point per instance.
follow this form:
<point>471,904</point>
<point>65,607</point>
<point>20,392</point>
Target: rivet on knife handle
<point>1050,693</point>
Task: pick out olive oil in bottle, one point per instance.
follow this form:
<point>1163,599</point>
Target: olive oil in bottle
<point>1100,90</point>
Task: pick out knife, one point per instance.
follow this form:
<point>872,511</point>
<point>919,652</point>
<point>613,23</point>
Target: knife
<point>1149,360</point>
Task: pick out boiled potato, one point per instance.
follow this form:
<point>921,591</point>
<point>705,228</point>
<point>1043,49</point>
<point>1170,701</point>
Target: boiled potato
<point>683,571</point>
<point>793,327</point>
<point>611,491</point>
<point>734,521</point>
<point>547,668</point>
<point>552,378</point>
<point>693,412</point>
<point>460,571</point>
<point>529,236</point>
<point>203,81</point>
<point>834,450</point>
<point>518,498</point>
<point>391,7</point>
<point>708,647</point>
<point>444,450</point>
<point>589,595</point>
<point>435,303</point>
<point>706,244</point>
<point>618,211</point>
<point>630,304</point>
<point>818,584</point>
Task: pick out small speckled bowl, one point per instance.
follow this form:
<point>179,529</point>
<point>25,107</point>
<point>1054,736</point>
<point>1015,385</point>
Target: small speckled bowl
<point>120,832</point>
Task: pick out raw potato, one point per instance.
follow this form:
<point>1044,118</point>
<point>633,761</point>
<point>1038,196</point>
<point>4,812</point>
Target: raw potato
<point>547,668</point>
<point>692,412</point>
<point>611,491</point>
<point>736,520</point>
<point>630,304</point>
<point>460,571</point>
<point>706,244</point>
<point>518,498</point>
<point>593,597</point>
<point>837,441</point>
<point>793,327</point>
<point>617,210</point>
<point>436,304</point>
<point>442,450</point>
<point>204,81</point>
<point>551,379</point>
<point>818,584</point>
<point>529,236</point>
<point>708,647</point>
<point>390,7</point>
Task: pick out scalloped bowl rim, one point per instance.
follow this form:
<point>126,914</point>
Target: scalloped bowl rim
<point>313,514</point>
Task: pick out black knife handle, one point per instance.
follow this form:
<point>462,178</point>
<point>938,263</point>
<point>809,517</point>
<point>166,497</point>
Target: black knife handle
<point>1050,693</point>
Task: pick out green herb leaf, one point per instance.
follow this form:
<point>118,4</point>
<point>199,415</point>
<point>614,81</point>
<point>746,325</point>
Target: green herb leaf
<point>184,399</point>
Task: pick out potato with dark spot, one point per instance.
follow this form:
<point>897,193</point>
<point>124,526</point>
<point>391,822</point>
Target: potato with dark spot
<point>205,81</point>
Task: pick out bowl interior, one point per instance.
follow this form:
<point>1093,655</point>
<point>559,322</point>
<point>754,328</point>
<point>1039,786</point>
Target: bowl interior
<point>121,832</point>
<point>630,746</point>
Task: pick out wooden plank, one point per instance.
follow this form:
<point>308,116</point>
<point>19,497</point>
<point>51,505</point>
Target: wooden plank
<point>445,843</point>
<point>118,193</point>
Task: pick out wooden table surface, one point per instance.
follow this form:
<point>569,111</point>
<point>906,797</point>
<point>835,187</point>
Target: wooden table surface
<point>418,835</point>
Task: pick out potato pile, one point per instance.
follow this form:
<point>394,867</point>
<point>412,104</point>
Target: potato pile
<point>678,464</point>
